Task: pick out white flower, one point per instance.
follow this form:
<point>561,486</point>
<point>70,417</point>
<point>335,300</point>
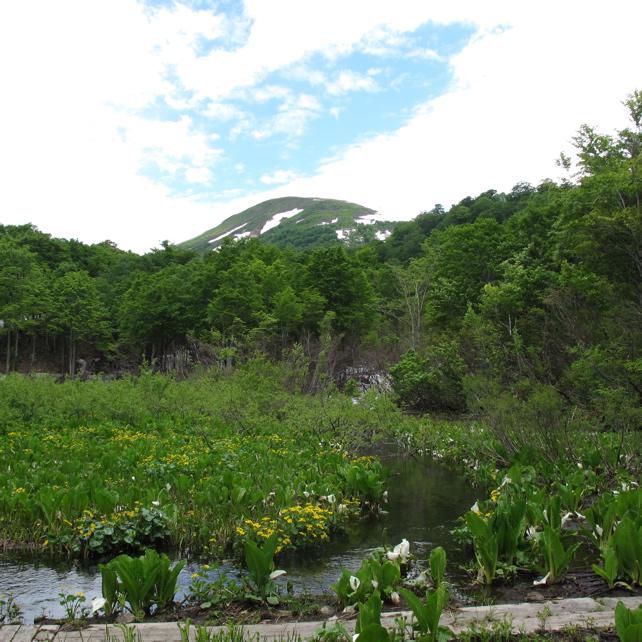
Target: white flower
<point>566,517</point>
<point>331,499</point>
<point>599,530</point>
<point>375,584</point>
<point>97,604</point>
<point>155,503</point>
<point>531,533</point>
<point>355,637</point>
<point>400,552</point>
<point>394,598</point>
<point>354,583</point>
<point>542,581</point>
<point>475,508</point>
<point>506,480</point>
<point>275,574</point>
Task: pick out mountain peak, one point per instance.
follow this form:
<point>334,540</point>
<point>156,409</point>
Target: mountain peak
<point>297,222</point>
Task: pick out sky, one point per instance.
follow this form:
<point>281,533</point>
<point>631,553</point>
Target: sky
<point>140,121</point>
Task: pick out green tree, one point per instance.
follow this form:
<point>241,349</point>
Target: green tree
<point>79,313</point>
<point>23,294</point>
<point>342,282</point>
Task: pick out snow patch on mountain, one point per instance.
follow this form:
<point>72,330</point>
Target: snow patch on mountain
<point>332,222</point>
<point>277,218</point>
<point>222,236</point>
<point>368,218</point>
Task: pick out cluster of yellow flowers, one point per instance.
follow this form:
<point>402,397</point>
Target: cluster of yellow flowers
<point>177,459</point>
<point>294,526</point>
<point>87,430</point>
<point>87,524</point>
<point>364,459</point>
<point>55,439</point>
<point>124,435</point>
<point>310,521</point>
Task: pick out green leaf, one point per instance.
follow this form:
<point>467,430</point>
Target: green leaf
<point>437,564</point>
<point>374,633</point>
<point>418,609</point>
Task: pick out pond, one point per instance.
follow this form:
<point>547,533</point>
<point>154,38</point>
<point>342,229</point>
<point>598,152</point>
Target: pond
<point>425,499</point>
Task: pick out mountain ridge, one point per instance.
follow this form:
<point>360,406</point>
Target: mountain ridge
<point>297,222</point>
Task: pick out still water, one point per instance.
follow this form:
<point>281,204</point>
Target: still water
<point>424,501</point>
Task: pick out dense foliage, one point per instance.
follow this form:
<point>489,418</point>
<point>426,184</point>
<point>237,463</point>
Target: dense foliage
<point>537,291</point>
<point>96,468</point>
<point>526,306</point>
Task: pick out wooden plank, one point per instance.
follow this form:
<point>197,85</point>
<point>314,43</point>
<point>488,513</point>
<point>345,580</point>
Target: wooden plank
<point>554,615</point>
<point>8,631</point>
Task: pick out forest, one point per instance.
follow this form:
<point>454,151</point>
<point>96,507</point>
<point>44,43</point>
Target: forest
<point>535,293</point>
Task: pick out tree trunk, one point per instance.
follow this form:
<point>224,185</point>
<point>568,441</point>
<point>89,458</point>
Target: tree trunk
<point>33,351</point>
<point>8,362</point>
<point>72,354</point>
<point>15,354</point>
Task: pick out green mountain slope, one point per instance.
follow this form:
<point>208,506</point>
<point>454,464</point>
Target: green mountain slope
<point>296,222</point>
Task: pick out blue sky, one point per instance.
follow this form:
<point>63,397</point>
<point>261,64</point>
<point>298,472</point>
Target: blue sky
<point>142,121</point>
<point>291,118</point>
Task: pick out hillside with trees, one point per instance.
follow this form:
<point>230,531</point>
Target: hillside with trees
<point>522,302</point>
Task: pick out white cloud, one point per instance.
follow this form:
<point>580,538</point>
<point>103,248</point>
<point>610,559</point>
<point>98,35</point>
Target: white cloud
<point>278,177</point>
<point>292,117</point>
<point>332,28</point>
<point>270,92</point>
<point>72,145</point>
<point>222,111</point>
<point>425,53</point>
<point>172,145</point>
<point>519,94</point>
<point>78,75</point>
<point>347,81</point>
<point>199,175</point>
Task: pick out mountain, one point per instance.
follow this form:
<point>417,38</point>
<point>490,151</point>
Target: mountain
<point>299,223</point>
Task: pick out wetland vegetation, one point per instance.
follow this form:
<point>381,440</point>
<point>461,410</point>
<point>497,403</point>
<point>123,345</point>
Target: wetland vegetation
<point>221,409</point>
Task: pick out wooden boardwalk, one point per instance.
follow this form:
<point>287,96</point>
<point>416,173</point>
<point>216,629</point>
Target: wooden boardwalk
<point>555,615</point>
